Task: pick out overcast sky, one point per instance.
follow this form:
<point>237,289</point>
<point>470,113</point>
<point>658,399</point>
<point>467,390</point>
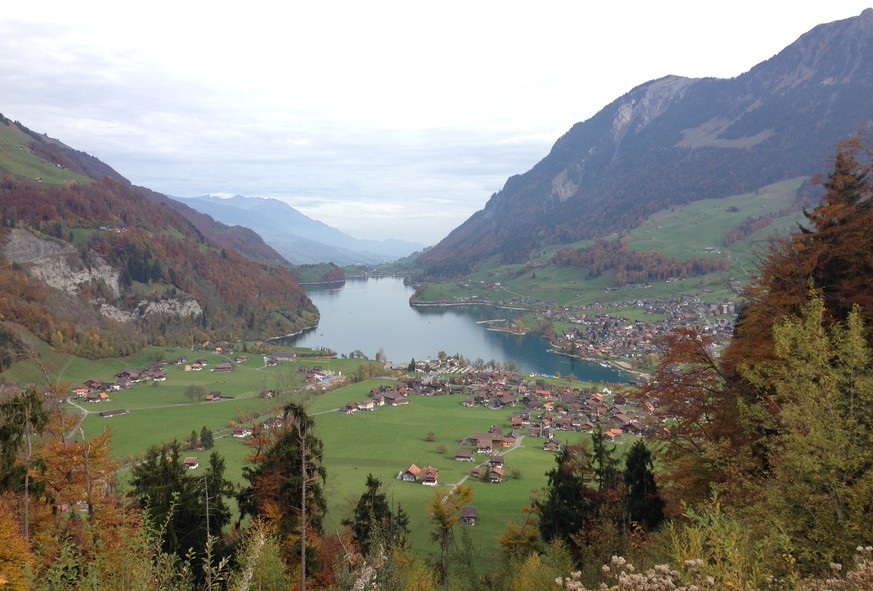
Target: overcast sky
<point>381,119</point>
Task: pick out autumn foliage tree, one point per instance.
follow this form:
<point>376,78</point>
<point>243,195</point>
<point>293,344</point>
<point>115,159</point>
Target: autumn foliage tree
<point>779,423</point>
<point>694,414</point>
<point>445,511</point>
<point>832,253</point>
<point>15,555</point>
<point>820,488</point>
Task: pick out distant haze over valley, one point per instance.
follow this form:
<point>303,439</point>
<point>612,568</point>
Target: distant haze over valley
<point>297,237</point>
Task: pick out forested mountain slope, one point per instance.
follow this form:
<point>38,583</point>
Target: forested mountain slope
<point>676,140</point>
<point>98,267</point>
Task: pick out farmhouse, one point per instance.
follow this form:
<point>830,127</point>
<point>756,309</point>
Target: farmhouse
<point>469,515</point>
<point>130,375</point>
<point>273,423</point>
<point>411,474</point>
<point>551,445</point>
<point>495,474</point>
<point>429,476</point>
<point>241,431</point>
<point>464,455</point>
<point>191,462</point>
<point>286,356</point>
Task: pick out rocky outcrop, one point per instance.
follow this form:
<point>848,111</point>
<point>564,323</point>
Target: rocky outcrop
<point>59,265</point>
<point>178,307</point>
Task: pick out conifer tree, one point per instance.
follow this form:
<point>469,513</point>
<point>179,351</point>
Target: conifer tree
<point>373,517</point>
<point>604,461</point>
<point>207,440</point>
<point>644,505</point>
<point>568,506</point>
<point>286,484</point>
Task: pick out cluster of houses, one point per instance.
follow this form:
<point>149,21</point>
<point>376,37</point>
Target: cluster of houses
<point>382,396</point>
<point>539,408</point>
<point>493,469</point>
<point>96,390</point>
<point>601,335</point>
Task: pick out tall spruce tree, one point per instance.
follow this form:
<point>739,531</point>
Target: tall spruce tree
<point>162,485</point>
<point>644,505</point>
<point>207,440</point>
<point>286,483</point>
<point>568,506</point>
<point>604,461</point>
<point>373,518</point>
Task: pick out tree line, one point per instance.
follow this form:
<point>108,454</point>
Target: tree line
<point>613,256</point>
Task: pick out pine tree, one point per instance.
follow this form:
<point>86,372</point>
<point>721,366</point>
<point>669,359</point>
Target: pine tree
<point>286,482</point>
<point>604,461</point>
<point>568,506</point>
<point>162,485</point>
<point>373,517</point>
<point>644,505</point>
<point>207,440</point>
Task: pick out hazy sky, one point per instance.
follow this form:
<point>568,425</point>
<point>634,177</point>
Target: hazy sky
<point>382,119</point>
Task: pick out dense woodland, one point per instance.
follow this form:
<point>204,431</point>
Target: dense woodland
<point>760,475</point>
<point>158,254</point>
<point>630,267</point>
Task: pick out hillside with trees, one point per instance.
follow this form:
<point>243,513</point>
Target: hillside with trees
<point>99,269</point>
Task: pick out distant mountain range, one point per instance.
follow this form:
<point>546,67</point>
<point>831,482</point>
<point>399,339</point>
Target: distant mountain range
<point>675,140</point>
<point>298,238</point>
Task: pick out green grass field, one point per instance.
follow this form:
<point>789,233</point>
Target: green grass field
<point>383,442</point>
<point>386,441</point>
<point>16,160</point>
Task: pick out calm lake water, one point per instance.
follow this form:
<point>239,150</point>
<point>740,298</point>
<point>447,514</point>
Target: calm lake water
<point>373,314</point>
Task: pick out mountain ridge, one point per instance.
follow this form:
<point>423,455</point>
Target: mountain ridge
<point>296,236</point>
<point>674,140</point>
